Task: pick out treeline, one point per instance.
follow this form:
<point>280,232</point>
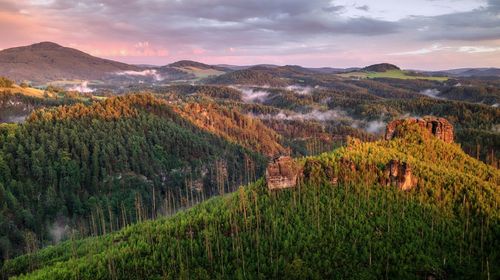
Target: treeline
<point>253,76</point>
<point>89,170</point>
<point>6,83</point>
<point>214,91</point>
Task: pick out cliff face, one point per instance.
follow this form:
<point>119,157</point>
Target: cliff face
<point>282,173</point>
<point>399,174</point>
<point>439,127</point>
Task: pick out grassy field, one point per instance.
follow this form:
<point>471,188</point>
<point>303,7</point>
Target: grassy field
<point>25,91</point>
<point>395,74</point>
<point>62,83</point>
<point>201,73</point>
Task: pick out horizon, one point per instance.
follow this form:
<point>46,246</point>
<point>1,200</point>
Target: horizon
<point>251,65</point>
<point>424,35</point>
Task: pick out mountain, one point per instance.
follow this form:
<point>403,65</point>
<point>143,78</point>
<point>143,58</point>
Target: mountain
<point>46,61</point>
<point>473,72</point>
<point>381,67</point>
<point>350,214</point>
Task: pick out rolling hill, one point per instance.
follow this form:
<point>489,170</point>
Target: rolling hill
<point>257,75</point>
<point>472,72</point>
<point>47,61</point>
<point>381,67</point>
<point>114,152</point>
<point>346,219</point>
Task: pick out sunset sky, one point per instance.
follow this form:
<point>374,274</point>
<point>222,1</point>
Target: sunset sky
<point>417,34</point>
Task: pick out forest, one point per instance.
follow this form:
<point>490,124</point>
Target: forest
<point>92,169</point>
<point>91,164</point>
<point>447,227</point>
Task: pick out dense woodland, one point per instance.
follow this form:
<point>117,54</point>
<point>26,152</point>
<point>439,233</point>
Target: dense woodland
<point>471,104</point>
<point>94,169</point>
<point>87,166</point>
<point>445,228</point>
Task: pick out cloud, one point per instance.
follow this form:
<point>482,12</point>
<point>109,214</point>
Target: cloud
<point>334,9</point>
<point>363,8</point>
<point>201,23</point>
<point>431,49</point>
<point>482,23</point>
<point>478,49</point>
<point>459,49</point>
<point>313,32</point>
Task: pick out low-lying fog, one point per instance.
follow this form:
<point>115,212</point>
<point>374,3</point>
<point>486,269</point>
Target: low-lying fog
<point>375,126</point>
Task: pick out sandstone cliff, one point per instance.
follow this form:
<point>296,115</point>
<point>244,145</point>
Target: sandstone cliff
<point>282,173</point>
<point>439,127</point>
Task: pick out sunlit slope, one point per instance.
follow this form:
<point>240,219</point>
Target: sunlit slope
<point>447,226</point>
<point>233,126</point>
<point>395,74</point>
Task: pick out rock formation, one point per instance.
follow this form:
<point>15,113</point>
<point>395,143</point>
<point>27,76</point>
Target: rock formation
<point>282,173</point>
<point>439,127</point>
<point>399,174</point>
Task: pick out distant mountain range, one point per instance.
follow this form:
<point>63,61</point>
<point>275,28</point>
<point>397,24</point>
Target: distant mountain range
<point>471,72</point>
<point>46,61</point>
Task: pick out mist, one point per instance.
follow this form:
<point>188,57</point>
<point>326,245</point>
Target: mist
<point>58,230</point>
<point>152,73</point>
<point>315,114</point>
<point>375,127</point>
<point>252,95</point>
<point>431,92</point>
<point>83,87</point>
<point>300,89</point>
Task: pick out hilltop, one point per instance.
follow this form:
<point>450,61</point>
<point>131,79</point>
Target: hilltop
<point>195,64</point>
<point>47,61</point>
<point>381,67</point>
<point>387,70</point>
<point>345,219</point>
<point>257,75</point>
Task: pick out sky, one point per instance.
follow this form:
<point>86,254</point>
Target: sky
<point>413,34</point>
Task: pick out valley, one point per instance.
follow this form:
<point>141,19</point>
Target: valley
<point>319,228</point>
<point>109,170</point>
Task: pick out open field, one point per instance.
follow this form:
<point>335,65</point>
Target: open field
<point>25,91</point>
<point>395,74</point>
<point>201,73</point>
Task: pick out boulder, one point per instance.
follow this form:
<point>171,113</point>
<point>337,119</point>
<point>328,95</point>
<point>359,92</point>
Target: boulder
<point>439,127</point>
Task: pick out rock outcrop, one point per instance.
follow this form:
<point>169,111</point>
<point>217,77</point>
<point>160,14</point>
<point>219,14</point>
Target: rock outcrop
<point>282,173</point>
<point>439,127</point>
<point>399,174</point>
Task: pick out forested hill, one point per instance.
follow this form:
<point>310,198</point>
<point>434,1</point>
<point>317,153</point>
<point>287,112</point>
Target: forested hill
<point>47,61</point>
<point>234,126</point>
<point>92,169</point>
<point>344,220</point>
